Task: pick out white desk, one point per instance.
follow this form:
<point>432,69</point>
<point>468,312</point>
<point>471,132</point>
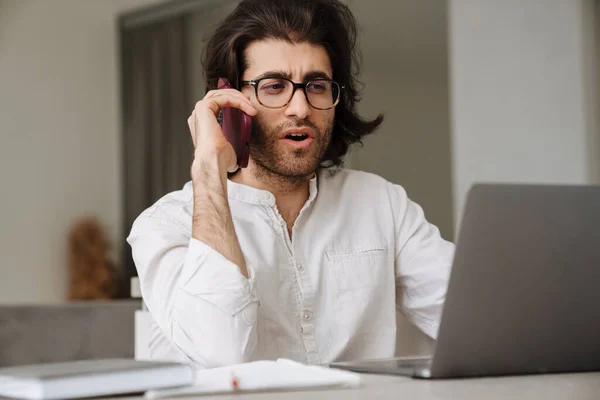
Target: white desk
<point>584,386</point>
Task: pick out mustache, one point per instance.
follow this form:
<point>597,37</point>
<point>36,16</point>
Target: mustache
<point>298,123</point>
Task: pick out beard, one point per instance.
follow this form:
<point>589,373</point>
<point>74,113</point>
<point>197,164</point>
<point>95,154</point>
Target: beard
<point>274,158</point>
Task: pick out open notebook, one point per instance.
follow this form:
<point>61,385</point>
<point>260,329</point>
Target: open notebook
<point>262,376</point>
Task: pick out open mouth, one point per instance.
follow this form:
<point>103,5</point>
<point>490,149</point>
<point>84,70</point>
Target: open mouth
<point>297,137</point>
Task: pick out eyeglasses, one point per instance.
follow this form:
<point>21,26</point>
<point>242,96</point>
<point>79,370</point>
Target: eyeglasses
<point>321,94</point>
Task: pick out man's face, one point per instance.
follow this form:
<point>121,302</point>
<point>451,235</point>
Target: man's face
<point>288,141</point>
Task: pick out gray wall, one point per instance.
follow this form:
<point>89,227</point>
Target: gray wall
<point>60,127</point>
<point>405,71</point>
<point>201,25</point>
<point>523,100</point>
<point>591,32</point>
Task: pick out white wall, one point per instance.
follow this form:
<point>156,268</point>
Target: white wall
<point>521,109</point>
<point>60,131</point>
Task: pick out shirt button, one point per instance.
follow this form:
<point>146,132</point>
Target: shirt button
<point>306,316</point>
<point>266,196</point>
<point>300,267</point>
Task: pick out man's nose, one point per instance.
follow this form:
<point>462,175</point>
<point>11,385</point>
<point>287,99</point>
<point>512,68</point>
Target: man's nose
<point>298,106</point>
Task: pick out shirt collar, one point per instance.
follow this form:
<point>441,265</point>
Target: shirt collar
<point>251,195</point>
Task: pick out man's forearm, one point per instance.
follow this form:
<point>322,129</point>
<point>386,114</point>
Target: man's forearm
<point>212,221</point>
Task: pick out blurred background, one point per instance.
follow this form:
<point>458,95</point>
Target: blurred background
<point>94,97</point>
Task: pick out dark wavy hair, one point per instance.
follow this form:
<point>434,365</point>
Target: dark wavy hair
<point>329,23</point>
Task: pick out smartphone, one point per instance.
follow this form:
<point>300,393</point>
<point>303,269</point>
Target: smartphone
<point>237,128</point>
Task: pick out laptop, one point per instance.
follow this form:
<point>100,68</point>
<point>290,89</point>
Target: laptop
<point>524,291</point>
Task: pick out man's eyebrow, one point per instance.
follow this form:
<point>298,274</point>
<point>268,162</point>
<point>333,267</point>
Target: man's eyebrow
<point>312,75</point>
<point>274,74</point>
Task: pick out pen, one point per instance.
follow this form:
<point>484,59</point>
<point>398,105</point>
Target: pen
<point>234,382</point>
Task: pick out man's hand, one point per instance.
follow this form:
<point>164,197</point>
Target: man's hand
<point>213,153</point>
<point>213,158</point>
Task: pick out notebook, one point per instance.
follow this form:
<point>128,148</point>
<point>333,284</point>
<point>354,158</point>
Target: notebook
<point>258,376</point>
<point>76,379</point>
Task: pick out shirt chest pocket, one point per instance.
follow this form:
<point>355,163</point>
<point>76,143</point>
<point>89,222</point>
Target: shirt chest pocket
<point>356,270</point>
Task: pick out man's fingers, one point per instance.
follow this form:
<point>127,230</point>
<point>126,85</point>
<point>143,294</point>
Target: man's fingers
<point>217,99</point>
<point>203,118</point>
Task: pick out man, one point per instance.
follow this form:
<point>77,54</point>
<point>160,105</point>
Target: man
<point>292,256</point>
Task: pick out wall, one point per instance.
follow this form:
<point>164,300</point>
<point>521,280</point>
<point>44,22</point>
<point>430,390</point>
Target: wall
<point>405,72</point>
<point>591,32</point>
<point>521,110</point>
<point>200,25</point>
<point>411,148</point>
<point>60,130</point>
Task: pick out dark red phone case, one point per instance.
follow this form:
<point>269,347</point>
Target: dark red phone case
<point>237,128</point>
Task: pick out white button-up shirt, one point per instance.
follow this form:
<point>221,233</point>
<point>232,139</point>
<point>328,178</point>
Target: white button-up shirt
<point>359,248</point>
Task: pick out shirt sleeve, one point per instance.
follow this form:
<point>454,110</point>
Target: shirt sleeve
<point>199,299</point>
<point>422,264</point>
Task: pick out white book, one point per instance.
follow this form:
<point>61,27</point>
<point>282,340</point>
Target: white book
<point>77,379</point>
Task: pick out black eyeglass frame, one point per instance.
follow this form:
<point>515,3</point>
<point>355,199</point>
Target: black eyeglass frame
<point>295,86</point>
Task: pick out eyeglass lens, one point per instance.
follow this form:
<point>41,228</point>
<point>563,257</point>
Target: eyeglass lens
<point>274,92</point>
